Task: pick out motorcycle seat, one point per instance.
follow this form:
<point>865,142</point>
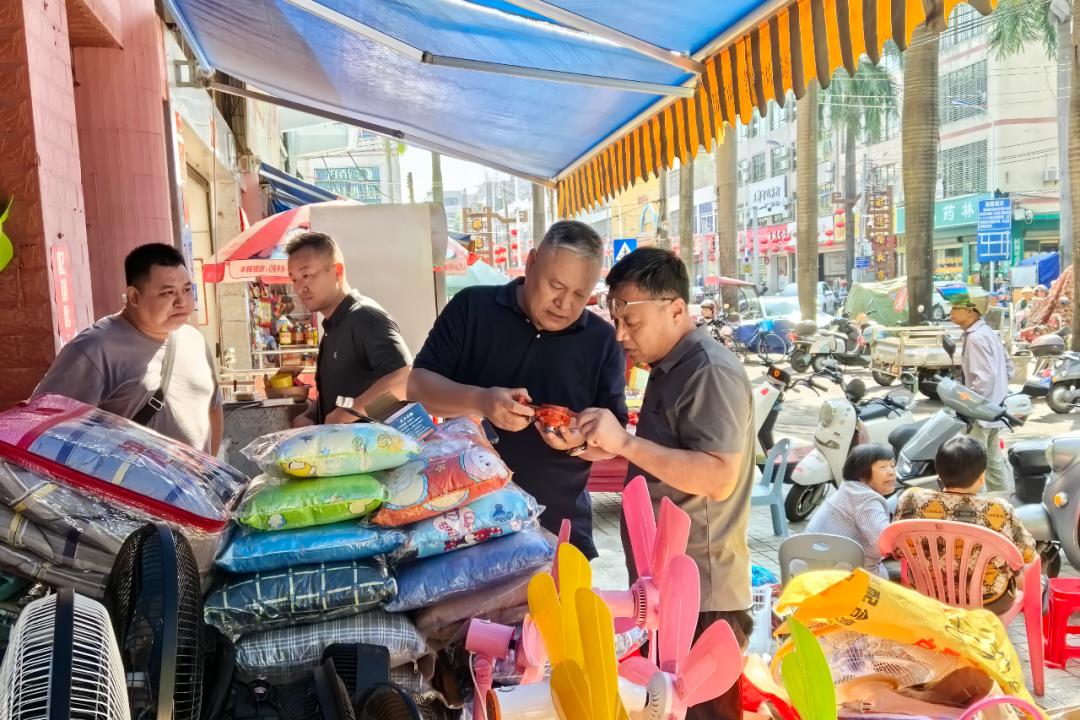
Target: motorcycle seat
<point>873,411</point>
<point>1028,457</point>
<point>899,437</point>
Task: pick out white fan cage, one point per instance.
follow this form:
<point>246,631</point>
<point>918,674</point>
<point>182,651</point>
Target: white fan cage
<point>98,688</point>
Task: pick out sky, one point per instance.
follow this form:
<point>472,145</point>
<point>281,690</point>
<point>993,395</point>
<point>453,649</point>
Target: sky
<point>457,174</point>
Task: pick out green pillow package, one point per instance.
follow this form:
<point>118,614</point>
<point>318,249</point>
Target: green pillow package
<point>304,503</point>
<point>332,450</point>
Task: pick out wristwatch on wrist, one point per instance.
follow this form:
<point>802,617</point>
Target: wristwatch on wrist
<point>579,450</point>
<point>345,402</point>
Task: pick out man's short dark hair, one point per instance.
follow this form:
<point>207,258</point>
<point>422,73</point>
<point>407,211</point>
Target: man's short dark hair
<point>140,261</point>
<point>575,236</point>
<point>656,272</point>
<point>320,242</point>
<point>959,462</point>
<point>859,466</point>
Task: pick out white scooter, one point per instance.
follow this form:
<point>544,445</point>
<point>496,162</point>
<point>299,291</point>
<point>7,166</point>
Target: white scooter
<point>842,424</point>
<point>768,402</point>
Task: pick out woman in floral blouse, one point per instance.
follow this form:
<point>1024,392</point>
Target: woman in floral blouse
<point>961,465</point>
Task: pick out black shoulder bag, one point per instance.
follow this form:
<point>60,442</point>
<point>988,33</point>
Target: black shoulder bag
<point>157,400</point>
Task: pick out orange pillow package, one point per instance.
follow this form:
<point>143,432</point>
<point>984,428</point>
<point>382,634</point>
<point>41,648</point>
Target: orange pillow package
<point>456,465</point>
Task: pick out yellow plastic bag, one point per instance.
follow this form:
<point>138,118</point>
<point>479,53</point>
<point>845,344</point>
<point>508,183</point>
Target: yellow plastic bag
<point>829,601</point>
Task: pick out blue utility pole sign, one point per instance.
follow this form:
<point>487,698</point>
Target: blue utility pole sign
<point>995,230</point>
<point>862,263</point>
<point>624,247</point>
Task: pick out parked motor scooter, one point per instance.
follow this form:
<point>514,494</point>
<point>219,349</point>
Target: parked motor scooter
<point>1045,500</point>
<point>842,424</point>
<point>806,334</point>
<point>1064,392</point>
<point>917,447</point>
<point>768,402</point>
<point>839,344</point>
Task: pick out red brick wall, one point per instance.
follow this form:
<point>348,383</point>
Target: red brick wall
<point>39,166</point>
<point>121,121</point>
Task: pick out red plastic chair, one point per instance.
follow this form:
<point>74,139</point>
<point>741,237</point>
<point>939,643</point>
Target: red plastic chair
<point>928,573</point>
<point>1064,601</point>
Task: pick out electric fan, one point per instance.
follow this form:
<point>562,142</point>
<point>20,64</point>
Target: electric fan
<point>154,598</point>
<point>63,663</point>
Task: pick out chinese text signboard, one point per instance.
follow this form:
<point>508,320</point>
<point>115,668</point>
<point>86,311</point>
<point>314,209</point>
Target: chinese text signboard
<point>879,231</point>
<point>356,183</point>
<point>995,230</point>
<point>65,293</point>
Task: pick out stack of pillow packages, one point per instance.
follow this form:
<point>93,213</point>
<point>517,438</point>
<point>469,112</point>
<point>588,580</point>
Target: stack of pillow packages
<point>361,534</point>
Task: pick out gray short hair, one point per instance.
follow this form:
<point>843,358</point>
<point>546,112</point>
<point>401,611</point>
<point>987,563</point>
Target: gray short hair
<point>575,236</point>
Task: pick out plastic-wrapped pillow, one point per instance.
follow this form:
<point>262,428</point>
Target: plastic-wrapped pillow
<point>331,450</point>
<point>454,467</point>
<point>281,656</point>
<point>321,501</point>
<point>429,581</point>
<point>253,551</point>
<point>293,596</point>
<point>500,513</point>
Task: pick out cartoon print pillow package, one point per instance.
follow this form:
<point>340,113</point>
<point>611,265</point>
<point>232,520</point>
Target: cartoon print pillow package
<point>331,450</point>
<point>454,467</point>
<point>303,503</point>
<point>497,514</point>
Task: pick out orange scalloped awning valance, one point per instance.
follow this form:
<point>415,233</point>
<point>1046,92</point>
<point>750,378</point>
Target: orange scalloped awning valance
<point>805,40</point>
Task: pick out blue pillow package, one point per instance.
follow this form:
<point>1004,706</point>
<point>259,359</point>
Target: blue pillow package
<point>253,551</point>
<point>429,581</point>
<point>501,513</point>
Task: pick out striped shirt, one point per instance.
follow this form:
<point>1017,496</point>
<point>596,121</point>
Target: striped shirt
<point>857,512</point>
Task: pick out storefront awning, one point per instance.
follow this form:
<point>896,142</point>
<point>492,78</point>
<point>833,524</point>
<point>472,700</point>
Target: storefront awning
<point>583,95</point>
<point>288,192</point>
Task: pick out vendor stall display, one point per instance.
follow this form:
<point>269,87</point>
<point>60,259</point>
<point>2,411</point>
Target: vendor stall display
<point>283,333</point>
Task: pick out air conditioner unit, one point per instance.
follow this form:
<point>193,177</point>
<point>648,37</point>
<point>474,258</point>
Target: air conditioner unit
<point>1051,175</point>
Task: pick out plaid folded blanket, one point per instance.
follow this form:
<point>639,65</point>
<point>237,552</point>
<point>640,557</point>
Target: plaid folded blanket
<point>24,563</point>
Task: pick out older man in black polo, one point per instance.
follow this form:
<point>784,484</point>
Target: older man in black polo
<point>532,340</point>
<point>694,441</point>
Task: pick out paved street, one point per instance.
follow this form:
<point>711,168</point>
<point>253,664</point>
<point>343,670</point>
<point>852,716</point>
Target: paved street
<point>798,420</point>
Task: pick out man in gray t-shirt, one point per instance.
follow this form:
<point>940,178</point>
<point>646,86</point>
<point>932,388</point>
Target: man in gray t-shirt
<point>694,441</point>
<point>116,364</point>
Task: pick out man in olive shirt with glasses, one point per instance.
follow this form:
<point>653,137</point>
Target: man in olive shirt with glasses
<point>694,441</point>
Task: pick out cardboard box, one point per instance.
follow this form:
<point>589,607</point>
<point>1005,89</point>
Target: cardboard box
<point>406,417</point>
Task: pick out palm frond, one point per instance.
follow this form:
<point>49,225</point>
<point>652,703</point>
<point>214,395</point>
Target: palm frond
<point>1016,23</point>
<point>863,102</point>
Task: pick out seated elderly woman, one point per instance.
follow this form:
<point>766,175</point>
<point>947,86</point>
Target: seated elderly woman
<point>858,510</point>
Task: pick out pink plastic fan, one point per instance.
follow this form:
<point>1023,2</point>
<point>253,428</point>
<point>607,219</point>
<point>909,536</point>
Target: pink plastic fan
<point>653,546</point>
<point>687,675</point>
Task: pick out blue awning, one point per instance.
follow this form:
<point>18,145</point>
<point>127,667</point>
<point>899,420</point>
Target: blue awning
<point>527,126</point>
<point>288,191</point>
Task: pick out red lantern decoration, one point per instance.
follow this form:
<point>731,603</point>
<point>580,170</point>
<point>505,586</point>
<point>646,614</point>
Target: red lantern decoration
<point>829,242</point>
<point>839,223</point>
<point>838,211</point>
<point>829,232</point>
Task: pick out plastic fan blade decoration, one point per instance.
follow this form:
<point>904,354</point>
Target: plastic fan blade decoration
<point>570,691</point>
<point>7,250</point>
<point>680,600</point>
<point>714,661</point>
<point>673,532</point>
<point>806,676</point>
<point>547,614</point>
<point>598,641</point>
<point>574,574</point>
<point>640,523</point>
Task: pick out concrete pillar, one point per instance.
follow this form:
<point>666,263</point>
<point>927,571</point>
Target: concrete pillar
<point>121,101</point>
<point>39,168</point>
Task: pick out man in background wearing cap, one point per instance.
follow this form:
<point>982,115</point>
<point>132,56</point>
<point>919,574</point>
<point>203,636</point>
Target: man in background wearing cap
<point>986,368</point>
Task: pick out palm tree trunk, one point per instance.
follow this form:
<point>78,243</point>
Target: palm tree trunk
<point>1065,75</point>
<point>1074,164</point>
<point>727,200</point>
<point>686,218</point>
<point>850,178</point>
<point>539,221</point>
<point>436,178</point>
<point>806,180</point>
<point>389,170</point>
<point>662,210</point>
<point>920,157</point>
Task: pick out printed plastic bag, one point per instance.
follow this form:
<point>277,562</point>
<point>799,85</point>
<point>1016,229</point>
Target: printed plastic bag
<point>253,551</point>
<point>503,512</point>
<point>293,596</point>
<point>331,450</point>
<point>303,503</point>
<point>429,581</point>
<point>281,656</point>
<point>81,473</point>
<point>491,605</point>
<point>454,467</point>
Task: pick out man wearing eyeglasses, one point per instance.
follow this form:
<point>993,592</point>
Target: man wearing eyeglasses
<point>532,341</point>
<point>694,441</point>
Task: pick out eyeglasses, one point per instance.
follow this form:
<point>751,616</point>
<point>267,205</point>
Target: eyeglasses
<point>618,307</point>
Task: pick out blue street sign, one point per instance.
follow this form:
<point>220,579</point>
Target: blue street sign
<point>624,247</point>
<point>862,263</point>
<point>994,231</point>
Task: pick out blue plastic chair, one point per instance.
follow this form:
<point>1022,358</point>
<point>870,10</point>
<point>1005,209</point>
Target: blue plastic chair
<point>770,491</point>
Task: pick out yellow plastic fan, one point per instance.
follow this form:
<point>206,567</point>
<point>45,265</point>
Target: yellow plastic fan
<point>554,611</point>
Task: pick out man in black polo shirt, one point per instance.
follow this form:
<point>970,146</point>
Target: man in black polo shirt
<point>362,354</point>
<point>694,441</point>
<point>532,340</point>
